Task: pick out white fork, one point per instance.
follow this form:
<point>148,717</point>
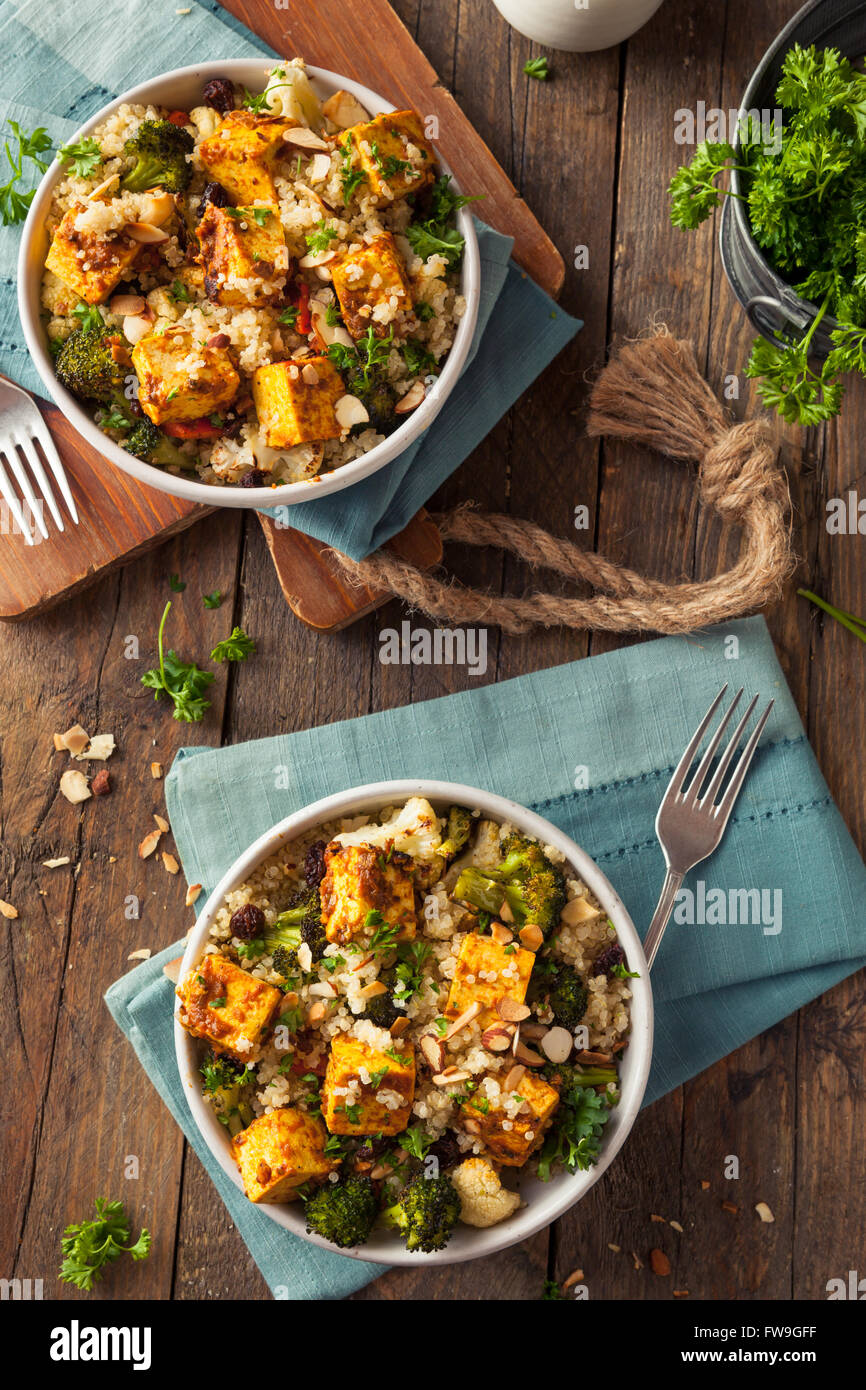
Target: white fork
<point>21,430</point>
<point>690,825</point>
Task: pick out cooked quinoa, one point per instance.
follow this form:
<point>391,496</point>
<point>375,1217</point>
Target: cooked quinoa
<point>416,1032</point>
<point>273,330</point>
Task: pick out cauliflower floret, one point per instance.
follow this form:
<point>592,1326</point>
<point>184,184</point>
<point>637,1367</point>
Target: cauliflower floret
<point>483,1199</point>
<point>415,830</point>
<point>289,93</point>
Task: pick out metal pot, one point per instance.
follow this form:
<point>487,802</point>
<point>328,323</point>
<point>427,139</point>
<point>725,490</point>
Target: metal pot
<point>771,304</point>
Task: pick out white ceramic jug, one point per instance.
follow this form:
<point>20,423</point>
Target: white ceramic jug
<point>579,26</point>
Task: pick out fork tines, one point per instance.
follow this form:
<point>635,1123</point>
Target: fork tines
<point>704,798</point>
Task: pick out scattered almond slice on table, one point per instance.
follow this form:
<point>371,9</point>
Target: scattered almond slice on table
<point>143,953</point>
<point>192,893</point>
<point>149,844</point>
<point>162,823</point>
<point>659,1263</point>
<point>171,970</point>
<point>55,863</point>
<point>74,741</point>
<point>764,1212</point>
<point>100,747</point>
<point>170,862</point>
<point>73,785</point>
<point>8,910</point>
<point>156,771</point>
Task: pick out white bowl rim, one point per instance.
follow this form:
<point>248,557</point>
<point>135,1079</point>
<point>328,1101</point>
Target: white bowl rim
<point>208,494</point>
<point>561,1192</point>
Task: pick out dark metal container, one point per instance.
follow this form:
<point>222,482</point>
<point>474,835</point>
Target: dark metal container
<point>770,303</point>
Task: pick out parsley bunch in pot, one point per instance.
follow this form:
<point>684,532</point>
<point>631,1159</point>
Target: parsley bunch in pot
<point>793,234</point>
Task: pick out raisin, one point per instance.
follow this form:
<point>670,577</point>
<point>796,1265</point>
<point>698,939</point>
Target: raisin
<point>314,864</point>
<point>213,193</point>
<point>248,922</point>
<point>446,1150</point>
<point>255,478</point>
<point>219,93</point>
<point>611,956</point>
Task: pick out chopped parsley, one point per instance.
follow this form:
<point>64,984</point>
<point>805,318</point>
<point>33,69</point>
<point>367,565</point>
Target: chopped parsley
<point>350,177</point>
<point>182,681</point>
<point>176,584</point>
<point>88,315</point>
<point>236,647</point>
<point>84,157</point>
<point>537,68</point>
<point>289,316</point>
<point>180,293</point>
<point>320,238</point>
<point>88,1246</point>
<point>419,362</point>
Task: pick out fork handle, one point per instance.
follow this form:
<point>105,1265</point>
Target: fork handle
<point>662,914</point>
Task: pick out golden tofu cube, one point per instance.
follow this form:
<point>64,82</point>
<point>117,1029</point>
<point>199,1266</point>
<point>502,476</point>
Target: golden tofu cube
<point>242,155</point>
<point>372,287</point>
<point>228,1006</point>
<point>480,957</point>
<point>367,1091</point>
<point>394,153</point>
<point>90,265</point>
<point>360,881</point>
<point>295,401</point>
<point>525,1134</point>
<point>279,1152</point>
<point>181,378</point>
<point>243,245</point>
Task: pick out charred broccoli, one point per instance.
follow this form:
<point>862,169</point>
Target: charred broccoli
<point>223,1081</point>
<point>533,887</point>
<point>302,922</point>
<point>160,150</point>
<point>150,444</point>
<point>343,1212</point>
<point>87,367</point>
<point>457,830</point>
<point>381,1008</point>
<point>426,1213</point>
<point>568,996</point>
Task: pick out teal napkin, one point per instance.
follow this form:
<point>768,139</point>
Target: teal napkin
<point>624,717</point>
<point>95,49</point>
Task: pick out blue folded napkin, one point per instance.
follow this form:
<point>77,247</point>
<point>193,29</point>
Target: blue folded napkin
<point>94,50</point>
<point>626,718</point>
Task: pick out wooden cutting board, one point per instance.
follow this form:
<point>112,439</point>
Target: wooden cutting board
<point>120,519</point>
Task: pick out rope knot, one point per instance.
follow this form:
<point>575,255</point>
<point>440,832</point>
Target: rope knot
<point>738,468</point>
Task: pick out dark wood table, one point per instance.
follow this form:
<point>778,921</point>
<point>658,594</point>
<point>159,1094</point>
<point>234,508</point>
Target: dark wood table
<point>592,151</point>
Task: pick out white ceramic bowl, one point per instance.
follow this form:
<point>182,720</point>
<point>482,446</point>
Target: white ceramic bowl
<point>181,90</point>
<point>545,1201</point>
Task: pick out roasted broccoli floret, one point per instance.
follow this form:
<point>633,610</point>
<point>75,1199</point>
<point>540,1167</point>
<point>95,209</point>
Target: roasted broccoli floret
<point>87,368</point>
<point>457,830</point>
<point>565,1075</point>
<point>533,887</point>
<point>300,922</point>
<point>224,1080</point>
<point>426,1214</point>
<point>381,1009</point>
<point>343,1212</point>
<point>160,150</point>
<point>568,996</point>
<point>378,399</point>
<point>148,443</point>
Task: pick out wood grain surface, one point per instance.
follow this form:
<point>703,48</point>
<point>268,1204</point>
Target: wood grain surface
<point>591,150</point>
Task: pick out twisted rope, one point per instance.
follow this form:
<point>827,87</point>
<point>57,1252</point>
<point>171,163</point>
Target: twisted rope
<point>651,393</point>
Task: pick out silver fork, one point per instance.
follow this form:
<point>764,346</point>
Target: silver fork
<point>21,430</point>
<point>690,824</point>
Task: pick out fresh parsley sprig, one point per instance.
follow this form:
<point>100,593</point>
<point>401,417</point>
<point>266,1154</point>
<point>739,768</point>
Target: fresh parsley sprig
<point>15,204</point>
<point>537,68</point>
<point>236,647</point>
<point>434,235</point>
<point>847,620</point>
<point>88,1246</point>
<point>182,681</point>
<point>84,157</point>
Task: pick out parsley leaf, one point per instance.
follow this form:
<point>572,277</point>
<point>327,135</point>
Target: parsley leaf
<point>213,600</point>
<point>575,1137</point>
<point>176,584</point>
<point>14,205</point>
<point>88,1246</point>
<point>237,647</point>
<point>321,237</point>
<point>181,681</point>
<point>85,156</point>
<point>537,68</point>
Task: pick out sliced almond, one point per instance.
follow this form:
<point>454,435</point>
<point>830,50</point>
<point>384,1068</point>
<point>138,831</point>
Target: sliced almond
<point>73,785</point>
<point>149,844</point>
<point>145,233</point>
<point>575,1277</point>
<point>505,912</point>
<point>531,936</point>
<point>373,989</point>
<point>7,910</point>
<point>291,998</point>
<point>316,1012</point>
<point>579,910</point>
<point>75,740</point>
<point>533,1031</point>
<point>218,340</point>
<point>434,1053</point>
<point>496,1039</point>
<point>162,823</point>
<point>323,990</point>
<point>59,745</point>
<point>96,193</point>
<point>171,969</point>
<point>512,1010</point>
<point>557,1044</point>
<point>350,411</point>
<point>344,110</point>
<point>323,273</point>
<point>501,935</point>
<point>320,168</point>
<point>328,333</point>
<point>316,258</point>
<point>192,893</point>
<point>55,863</point>
<point>156,207</point>
<point>143,953</point>
<point>170,863</point>
<point>398,1027</point>
<point>462,1020</point>
<point>412,399</point>
<point>381,1170</point>
<point>136,327</point>
<point>513,1078</point>
<point>450,1077</point>
<point>156,773</point>
<point>124,304</point>
<point>763,1211</point>
<point>100,747</point>
<point>310,375</point>
<point>304,138</point>
<point>472,1126</point>
<point>526,1055</point>
<point>595,1059</point>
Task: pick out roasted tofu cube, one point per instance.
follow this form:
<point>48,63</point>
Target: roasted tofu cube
<point>372,287</point>
<point>279,1152</point>
<point>89,264</point>
<point>243,254</point>
<point>228,1006</point>
<point>181,378</point>
<point>526,1125</point>
<point>295,401</point>
<point>242,155</point>
<point>366,1091</point>
<point>487,972</point>
<point>367,887</point>
<point>394,153</point>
